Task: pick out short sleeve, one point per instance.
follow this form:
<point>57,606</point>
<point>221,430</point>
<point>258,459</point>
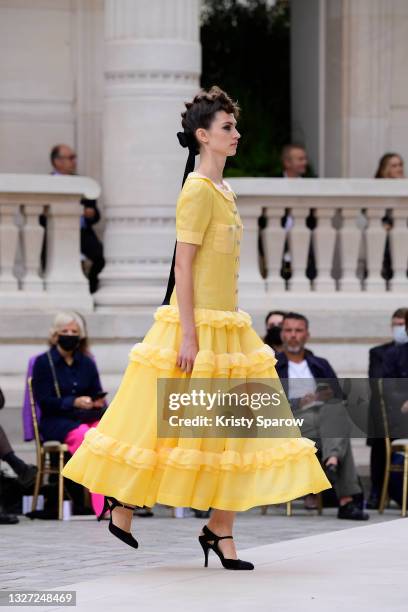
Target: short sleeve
<point>194,211</point>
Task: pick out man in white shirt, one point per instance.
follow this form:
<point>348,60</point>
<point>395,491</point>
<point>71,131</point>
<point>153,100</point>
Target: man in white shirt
<point>314,393</point>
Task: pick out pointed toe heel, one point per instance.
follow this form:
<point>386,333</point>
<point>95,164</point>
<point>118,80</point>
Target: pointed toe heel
<point>125,536</point>
<point>110,503</point>
<point>209,540</point>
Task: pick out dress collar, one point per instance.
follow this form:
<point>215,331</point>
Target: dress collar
<point>228,195</point>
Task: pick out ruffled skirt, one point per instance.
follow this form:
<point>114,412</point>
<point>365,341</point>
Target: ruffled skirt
<point>124,458</point>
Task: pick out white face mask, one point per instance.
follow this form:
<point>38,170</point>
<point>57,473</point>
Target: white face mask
<point>399,334</point>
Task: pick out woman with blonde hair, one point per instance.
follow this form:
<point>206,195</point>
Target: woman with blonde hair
<point>67,387</point>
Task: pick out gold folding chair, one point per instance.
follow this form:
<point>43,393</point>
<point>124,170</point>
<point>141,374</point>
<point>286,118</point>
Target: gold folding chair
<point>396,446</point>
<point>44,450</point>
<point>289,511</point>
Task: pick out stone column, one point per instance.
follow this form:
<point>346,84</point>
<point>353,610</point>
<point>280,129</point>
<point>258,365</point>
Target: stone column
<point>152,65</point>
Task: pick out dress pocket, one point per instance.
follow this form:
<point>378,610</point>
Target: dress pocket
<point>224,238</point>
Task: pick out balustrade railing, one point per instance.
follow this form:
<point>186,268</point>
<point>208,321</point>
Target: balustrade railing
<point>351,248</point>
<point>25,246</point>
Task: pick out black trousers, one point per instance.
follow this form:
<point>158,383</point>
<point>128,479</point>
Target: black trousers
<point>92,248</point>
<point>377,465</point>
<point>5,446</point>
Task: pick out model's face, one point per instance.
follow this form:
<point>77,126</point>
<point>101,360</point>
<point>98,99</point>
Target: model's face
<point>395,167</point>
<point>296,162</point>
<point>294,335</point>
<point>274,320</point>
<point>65,163</point>
<point>222,136</point>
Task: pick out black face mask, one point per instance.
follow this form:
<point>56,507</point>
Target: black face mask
<point>273,336</point>
<point>68,343</point>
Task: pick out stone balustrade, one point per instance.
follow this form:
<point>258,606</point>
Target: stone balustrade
<point>348,241</point>
<point>23,283</point>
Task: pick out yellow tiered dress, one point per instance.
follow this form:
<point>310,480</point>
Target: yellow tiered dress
<point>124,458</point>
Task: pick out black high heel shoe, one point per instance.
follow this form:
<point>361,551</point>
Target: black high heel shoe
<point>210,540</point>
<point>110,503</point>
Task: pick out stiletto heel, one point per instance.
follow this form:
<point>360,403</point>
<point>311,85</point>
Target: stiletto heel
<point>210,540</point>
<point>110,503</point>
<point>205,548</point>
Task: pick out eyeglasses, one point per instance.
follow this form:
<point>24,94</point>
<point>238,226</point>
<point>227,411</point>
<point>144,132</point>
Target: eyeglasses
<point>69,157</point>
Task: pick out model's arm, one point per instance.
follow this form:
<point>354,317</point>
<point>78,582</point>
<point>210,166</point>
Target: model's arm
<point>193,215</point>
<point>183,272</point>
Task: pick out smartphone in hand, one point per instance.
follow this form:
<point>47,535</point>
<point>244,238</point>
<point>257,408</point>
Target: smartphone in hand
<point>99,395</point>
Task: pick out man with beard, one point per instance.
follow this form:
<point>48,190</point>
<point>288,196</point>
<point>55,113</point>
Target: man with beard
<point>315,395</point>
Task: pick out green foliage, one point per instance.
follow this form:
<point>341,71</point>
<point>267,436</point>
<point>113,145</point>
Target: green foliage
<point>246,51</point>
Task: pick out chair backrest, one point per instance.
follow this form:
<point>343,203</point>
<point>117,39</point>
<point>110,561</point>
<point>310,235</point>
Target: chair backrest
<point>35,421</point>
<point>28,428</point>
<point>384,415</point>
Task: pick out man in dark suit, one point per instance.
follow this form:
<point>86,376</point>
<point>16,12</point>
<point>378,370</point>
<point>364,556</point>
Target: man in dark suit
<point>315,395</point>
<point>376,364</point>
<point>63,160</point>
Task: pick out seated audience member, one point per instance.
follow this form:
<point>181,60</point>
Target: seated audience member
<point>321,407</point>
<point>377,358</point>
<point>395,366</point>
<point>67,387</point>
<point>25,472</point>
<point>63,160</point>
<point>273,323</point>
<point>28,427</point>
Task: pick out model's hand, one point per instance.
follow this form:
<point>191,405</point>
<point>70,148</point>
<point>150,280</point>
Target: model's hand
<point>187,353</point>
<point>84,401</point>
<point>404,407</point>
<point>99,403</point>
